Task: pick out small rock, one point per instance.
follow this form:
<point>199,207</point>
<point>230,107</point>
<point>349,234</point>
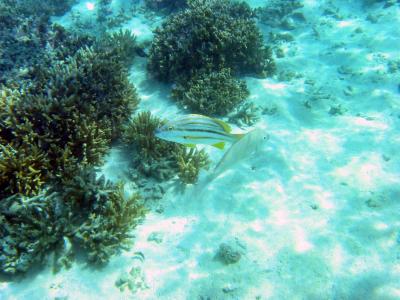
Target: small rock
<point>155,237</point>
<point>229,253</point>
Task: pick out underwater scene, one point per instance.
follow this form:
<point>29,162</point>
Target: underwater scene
<point>200,149</point>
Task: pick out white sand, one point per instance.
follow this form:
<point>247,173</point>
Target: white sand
<point>317,210</point>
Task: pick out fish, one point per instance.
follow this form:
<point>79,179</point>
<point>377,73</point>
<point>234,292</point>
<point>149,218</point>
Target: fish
<point>248,146</point>
<point>194,129</point>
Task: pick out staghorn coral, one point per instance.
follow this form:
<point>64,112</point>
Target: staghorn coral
<point>100,80</point>
<point>56,121</point>
<point>110,216</point>
<point>23,169</point>
<point>280,13</point>
<point>215,93</point>
<point>26,35</point>
<point>79,104</point>
<point>209,35</point>
<point>166,6</point>
<point>31,227</point>
<point>106,216</point>
<point>190,161</point>
<point>246,114</point>
<point>122,43</point>
<point>140,132</point>
<point>84,211</point>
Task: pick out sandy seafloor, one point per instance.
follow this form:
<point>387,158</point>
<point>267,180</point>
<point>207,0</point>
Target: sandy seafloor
<point>316,211</point>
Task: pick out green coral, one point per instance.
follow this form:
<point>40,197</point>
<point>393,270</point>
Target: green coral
<point>140,132</point>
<point>123,43</point>
<point>107,228</point>
<point>31,227</point>
<point>215,93</point>
<point>56,122</point>
<point>209,35</point>
<point>107,214</point>
<point>23,169</point>
<point>277,13</point>
<point>92,214</point>
<point>190,162</point>
<point>166,6</point>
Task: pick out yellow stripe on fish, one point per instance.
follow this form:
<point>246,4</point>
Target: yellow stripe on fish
<point>197,129</point>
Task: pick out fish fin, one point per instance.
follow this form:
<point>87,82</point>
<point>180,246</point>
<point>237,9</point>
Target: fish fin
<point>190,145</point>
<point>224,125</point>
<point>219,145</point>
<point>238,136</point>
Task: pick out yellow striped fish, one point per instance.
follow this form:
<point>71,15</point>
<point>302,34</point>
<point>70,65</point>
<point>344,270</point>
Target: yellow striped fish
<point>195,129</point>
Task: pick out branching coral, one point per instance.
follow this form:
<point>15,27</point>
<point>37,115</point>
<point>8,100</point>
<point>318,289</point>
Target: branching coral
<point>92,213</point>
<point>166,6</point>
<point>23,169</point>
<point>108,226</point>
<point>215,93</point>
<point>122,43</point>
<point>107,214</point>
<point>190,162</point>
<point>209,35</point>
<point>31,227</point>
<point>140,132</point>
<point>57,120</point>
<point>280,13</point>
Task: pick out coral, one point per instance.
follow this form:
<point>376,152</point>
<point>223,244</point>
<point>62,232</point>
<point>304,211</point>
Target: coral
<point>26,35</point>
<point>209,35</point>
<point>190,161</point>
<point>123,43</point>
<point>280,13</point>
<point>83,211</point>
<point>57,120</point>
<point>166,6</point>
<point>105,214</point>
<point>107,228</point>
<point>100,81</point>
<point>31,227</point>
<point>215,93</point>
<point>23,169</point>
<point>246,114</point>
<point>140,132</point>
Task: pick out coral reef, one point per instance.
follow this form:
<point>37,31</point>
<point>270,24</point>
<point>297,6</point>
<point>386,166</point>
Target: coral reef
<point>23,169</point>
<point>26,38</point>
<point>110,216</point>
<point>62,103</point>
<point>165,6</point>
<point>86,212</point>
<point>215,93</point>
<point>208,36</point>
<point>31,227</point>
<point>123,43</point>
<point>280,13</point>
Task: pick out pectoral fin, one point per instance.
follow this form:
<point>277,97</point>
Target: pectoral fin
<point>190,145</point>
<point>219,145</point>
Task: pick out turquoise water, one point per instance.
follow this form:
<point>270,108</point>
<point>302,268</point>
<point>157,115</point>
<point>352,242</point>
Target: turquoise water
<point>308,209</point>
